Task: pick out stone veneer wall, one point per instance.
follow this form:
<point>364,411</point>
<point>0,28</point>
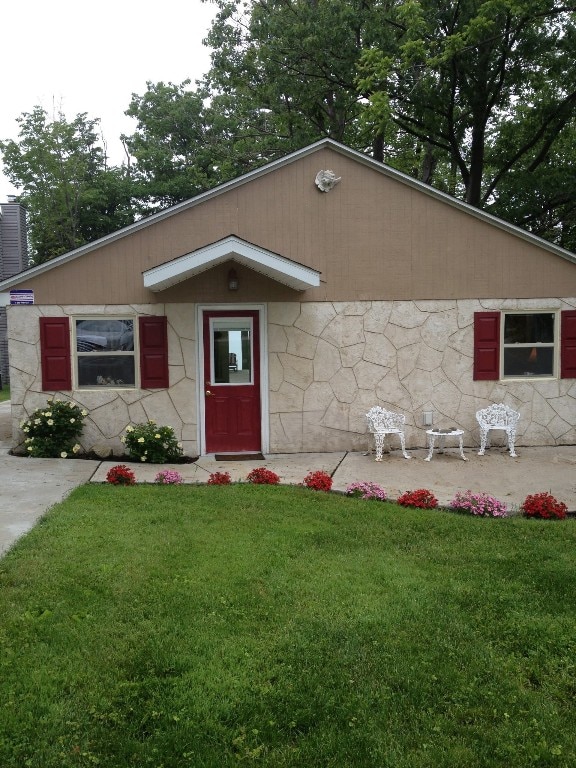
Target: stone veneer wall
<point>110,410</point>
<point>330,362</point>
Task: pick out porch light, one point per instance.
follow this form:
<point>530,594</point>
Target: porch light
<point>232,280</point>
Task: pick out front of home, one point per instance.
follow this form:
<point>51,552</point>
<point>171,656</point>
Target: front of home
<point>272,312</point>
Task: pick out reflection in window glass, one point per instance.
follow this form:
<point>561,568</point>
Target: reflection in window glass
<point>105,352</point>
<point>232,354</point>
<point>528,348</point>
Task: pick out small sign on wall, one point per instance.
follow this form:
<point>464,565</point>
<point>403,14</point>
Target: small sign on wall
<point>22,296</point>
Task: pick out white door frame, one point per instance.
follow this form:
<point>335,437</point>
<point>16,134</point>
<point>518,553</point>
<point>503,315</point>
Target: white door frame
<point>264,396</point>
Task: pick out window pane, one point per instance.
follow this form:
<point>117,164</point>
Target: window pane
<point>232,354</point>
<point>528,361</point>
<point>106,371</point>
<point>106,334</point>
<point>529,329</point>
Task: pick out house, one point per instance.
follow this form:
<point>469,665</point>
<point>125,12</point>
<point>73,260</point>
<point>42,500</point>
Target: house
<point>272,312</point>
<point>13,257</point>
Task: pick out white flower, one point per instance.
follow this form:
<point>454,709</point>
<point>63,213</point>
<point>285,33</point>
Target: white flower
<point>140,439</point>
<point>72,421</point>
<point>77,448</point>
<point>48,413</point>
<point>84,412</point>
<point>142,458</point>
<point>63,455</point>
<point>157,436</point>
<point>122,439</point>
<point>50,422</point>
<point>37,421</point>
<point>26,429</point>
<point>179,445</point>
<point>30,448</point>
<point>129,429</point>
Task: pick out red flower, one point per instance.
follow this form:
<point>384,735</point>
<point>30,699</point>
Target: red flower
<point>421,498</point>
<point>219,478</point>
<point>263,476</point>
<point>318,481</point>
<point>120,475</point>
<point>543,506</point>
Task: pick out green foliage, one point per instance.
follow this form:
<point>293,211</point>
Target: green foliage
<point>70,194</point>
<point>202,626</point>
<point>151,443</point>
<point>51,432</point>
<point>485,87</point>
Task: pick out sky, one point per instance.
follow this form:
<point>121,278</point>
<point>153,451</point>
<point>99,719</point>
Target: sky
<point>69,56</point>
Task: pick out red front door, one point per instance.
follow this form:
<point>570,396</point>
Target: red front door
<point>232,412</point>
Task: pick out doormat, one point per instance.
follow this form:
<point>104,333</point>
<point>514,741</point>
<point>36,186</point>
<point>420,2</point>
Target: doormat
<point>238,456</point>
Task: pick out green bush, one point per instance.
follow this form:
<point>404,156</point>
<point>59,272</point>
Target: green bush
<point>51,432</point>
<point>149,442</point>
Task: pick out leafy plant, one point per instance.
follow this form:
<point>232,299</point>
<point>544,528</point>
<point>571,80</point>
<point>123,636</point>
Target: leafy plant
<point>318,481</point>
<point>481,504</point>
<point>421,498</point>
<point>219,478</point>
<point>367,490</point>
<point>120,475</point>
<point>168,477</point>
<point>51,432</point>
<point>149,442</point>
<point>543,506</point>
<point>263,476</point>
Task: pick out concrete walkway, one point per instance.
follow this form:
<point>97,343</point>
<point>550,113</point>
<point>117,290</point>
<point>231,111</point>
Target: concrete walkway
<point>28,487</point>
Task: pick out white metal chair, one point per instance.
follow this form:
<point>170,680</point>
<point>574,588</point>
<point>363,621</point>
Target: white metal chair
<point>382,423</point>
<point>497,416</point>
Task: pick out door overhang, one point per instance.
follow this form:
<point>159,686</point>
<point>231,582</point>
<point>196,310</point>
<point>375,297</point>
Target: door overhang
<point>279,268</point>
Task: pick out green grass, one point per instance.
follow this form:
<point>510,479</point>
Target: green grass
<point>172,626</point>
<point>4,393</point>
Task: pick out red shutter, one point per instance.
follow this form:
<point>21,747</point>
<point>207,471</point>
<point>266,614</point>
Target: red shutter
<point>153,352</point>
<point>486,346</point>
<point>568,344</point>
<point>55,354</point>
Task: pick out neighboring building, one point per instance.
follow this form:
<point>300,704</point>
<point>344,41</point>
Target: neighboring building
<point>13,259</point>
<point>272,312</point>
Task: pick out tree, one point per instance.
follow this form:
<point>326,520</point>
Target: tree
<point>174,149</point>
<point>70,194</point>
<point>485,85</point>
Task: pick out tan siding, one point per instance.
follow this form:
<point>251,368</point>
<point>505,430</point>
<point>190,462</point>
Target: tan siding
<point>372,237</point>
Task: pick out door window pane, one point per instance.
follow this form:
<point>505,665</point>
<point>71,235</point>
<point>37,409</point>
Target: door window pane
<point>231,351</point>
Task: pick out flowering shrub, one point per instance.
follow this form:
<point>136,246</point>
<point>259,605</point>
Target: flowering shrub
<point>543,506</point>
<point>168,477</point>
<point>149,442</point>
<point>51,432</point>
<point>318,481</point>
<point>120,475</point>
<point>480,504</point>
<point>421,498</point>
<point>219,478</point>
<point>263,476</point>
<point>367,491</point>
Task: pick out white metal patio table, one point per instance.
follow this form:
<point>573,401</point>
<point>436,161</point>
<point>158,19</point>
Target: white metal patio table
<point>442,434</point>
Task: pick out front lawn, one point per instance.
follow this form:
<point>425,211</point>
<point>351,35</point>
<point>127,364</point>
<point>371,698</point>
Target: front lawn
<point>173,626</point>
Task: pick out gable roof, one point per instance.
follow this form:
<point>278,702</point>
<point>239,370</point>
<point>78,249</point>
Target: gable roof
<point>272,265</point>
<point>269,168</point>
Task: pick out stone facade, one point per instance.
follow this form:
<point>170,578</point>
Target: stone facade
<point>328,363</point>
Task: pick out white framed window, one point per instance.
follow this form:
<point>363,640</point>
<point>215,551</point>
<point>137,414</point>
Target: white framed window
<point>105,352</point>
<point>529,346</point>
